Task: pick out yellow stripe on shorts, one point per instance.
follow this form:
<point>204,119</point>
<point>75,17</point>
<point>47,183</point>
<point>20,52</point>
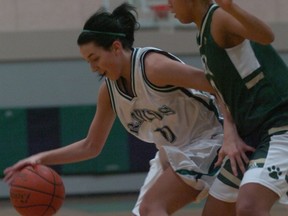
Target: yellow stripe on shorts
<point>230,177</point>
<point>277,129</point>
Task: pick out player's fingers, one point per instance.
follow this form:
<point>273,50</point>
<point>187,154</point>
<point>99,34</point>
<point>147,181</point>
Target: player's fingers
<point>220,159</point>
<point>19,165</point>
<point>218,162</point>
<point>240,164</point>
<point>8,170</point>
<point>233,166</point>
<point>249,148</point>
<point>244,158</point>
<point>8,178</point>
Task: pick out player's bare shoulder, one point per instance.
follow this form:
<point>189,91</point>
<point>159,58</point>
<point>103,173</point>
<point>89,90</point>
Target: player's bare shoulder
<point>223,29</point>
<point>156,66</point>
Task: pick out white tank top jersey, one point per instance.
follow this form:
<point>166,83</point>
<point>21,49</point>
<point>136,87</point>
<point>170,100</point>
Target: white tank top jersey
<point>168,115</point>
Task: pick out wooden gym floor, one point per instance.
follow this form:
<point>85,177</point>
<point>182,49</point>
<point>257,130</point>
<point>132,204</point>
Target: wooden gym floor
<point>114,205</point>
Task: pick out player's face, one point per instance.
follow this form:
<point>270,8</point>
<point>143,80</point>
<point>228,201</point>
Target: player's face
<point>101,61</point>
<point>183,10</point>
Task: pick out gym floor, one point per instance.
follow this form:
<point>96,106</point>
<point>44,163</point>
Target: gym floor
<point>114,205</point>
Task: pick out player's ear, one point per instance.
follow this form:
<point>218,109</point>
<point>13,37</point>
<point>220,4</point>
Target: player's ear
<point>116,46</point>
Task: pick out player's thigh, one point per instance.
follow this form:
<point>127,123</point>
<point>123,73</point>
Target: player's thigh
<point>169,192</point>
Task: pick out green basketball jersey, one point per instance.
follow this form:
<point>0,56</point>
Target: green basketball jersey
<point>251,78</point>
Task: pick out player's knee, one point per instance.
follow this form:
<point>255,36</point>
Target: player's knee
<point>147,208</point>
<point>248,212</point>
<point>246,208</point>
<point>143,209</point>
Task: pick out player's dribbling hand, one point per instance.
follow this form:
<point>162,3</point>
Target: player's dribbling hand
<point>9,172</point>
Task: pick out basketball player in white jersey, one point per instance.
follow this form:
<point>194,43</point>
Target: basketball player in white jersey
<point>150,91</point>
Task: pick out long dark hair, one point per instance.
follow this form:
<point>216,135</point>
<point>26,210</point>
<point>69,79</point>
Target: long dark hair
<point>103,28</point>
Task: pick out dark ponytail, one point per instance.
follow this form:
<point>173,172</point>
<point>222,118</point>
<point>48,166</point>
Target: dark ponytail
<point>103,28</point>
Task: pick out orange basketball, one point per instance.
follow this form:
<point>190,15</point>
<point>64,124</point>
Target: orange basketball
<point>37,191</point>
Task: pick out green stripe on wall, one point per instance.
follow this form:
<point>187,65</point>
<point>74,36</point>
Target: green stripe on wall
<point>115,154</point>
<point>13,137</point>
<point>74,125</point>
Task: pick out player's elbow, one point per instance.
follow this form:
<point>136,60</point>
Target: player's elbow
<point>268,39</point>
<point>95,151</point>
<point>92,149</point>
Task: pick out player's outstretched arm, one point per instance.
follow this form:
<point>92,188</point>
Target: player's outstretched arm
<point>81,150</point>
<point>163,71</point>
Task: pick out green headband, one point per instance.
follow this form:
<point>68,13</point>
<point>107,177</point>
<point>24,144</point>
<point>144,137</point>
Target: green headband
<point>106,33</point>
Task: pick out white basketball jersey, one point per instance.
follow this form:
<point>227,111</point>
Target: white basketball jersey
<point>163,115</point>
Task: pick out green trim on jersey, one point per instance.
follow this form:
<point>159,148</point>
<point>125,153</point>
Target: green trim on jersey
<point>213,171</point>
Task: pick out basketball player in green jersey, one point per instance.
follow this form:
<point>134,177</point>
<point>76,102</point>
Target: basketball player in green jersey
<point>252,80</point>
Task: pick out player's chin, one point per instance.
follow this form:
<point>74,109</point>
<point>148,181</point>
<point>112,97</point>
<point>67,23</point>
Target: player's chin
<point>183,20</point>
<point>113,78</point>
